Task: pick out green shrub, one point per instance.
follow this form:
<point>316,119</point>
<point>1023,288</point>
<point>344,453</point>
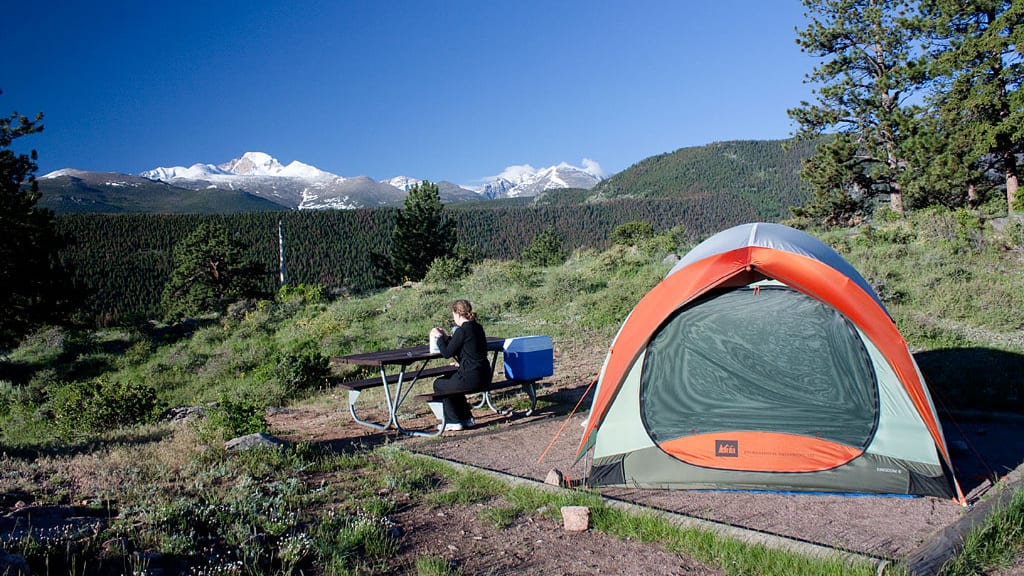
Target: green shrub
<point>887,235</point>
<point>884,213</point>
<point>303,367</point>
<point>545,250</point>
<point>959,230</point>
<point>24,423</point>
<point>632,233</point>
<point>446,269</point>
<point>230,418</point>
<point>609,307</point>
<point>302,293</point>
<point>41,382</point>
<point>9,394</point>
<point>44,345</point>
<point>567,286</point>
<point>523,276</point>
<point>100,405</point>
<point>137,354</point>
<point>1013,234</point>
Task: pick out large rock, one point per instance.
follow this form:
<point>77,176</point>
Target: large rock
<point>250,441</point>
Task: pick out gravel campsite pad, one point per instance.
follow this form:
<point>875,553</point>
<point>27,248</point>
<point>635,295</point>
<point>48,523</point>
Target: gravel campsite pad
<point>531,446</point>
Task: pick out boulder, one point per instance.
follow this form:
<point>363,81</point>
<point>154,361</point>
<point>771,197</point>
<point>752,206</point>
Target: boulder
<point>258,440</point>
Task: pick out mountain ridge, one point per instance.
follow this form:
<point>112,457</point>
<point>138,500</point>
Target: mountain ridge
<point>764,175</point>
<point>296,186</point>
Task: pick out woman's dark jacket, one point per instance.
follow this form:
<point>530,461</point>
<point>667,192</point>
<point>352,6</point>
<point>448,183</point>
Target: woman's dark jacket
<point>468,345</point>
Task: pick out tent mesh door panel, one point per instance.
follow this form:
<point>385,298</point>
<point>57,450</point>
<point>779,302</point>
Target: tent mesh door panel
<point>759,359</point>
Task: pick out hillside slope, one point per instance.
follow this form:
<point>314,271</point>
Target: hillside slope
<point>762,174</point>
<point>80,192</point>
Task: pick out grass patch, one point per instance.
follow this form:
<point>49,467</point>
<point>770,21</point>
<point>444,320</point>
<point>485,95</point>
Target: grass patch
<point>434,566</point>
<point>994,545</point>
<point>509,504</point>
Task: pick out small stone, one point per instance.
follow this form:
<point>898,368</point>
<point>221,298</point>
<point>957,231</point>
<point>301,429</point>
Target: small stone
<point>575,518</point>
<point>554,477</point>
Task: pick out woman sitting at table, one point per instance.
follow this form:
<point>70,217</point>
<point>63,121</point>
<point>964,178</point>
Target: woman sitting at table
<point>468,345</point>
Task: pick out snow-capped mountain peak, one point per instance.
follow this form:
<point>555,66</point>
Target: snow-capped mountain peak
<point>303,186</point>
<point>61,172</point>
<point>298,169</point>
<point>403,183</point>
<point>253,164</point>
<point>525,180</point>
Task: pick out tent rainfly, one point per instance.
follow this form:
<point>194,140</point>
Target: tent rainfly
<point>764,361</point>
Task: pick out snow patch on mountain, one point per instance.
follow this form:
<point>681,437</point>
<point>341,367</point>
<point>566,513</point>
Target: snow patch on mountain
<point>524,180</point>
<point>403,183</point>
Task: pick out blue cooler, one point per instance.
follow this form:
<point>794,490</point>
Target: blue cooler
<point>529,358</point>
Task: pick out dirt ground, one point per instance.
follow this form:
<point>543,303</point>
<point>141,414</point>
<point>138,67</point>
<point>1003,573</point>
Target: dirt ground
<point>528,447</point>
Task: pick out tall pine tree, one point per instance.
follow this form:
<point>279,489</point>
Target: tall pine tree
<point>210,272</point>
<point>34,286</point>
<point>423,232</point>
<point>866,75</point>
<point>978,67</point>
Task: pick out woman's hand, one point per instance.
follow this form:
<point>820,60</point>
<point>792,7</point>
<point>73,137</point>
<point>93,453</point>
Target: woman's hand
<point>436,332</point>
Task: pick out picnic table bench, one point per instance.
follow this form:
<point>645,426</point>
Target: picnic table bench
<point>435,399</point>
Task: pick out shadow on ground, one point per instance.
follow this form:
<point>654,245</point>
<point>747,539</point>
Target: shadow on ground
<point>979,394</point>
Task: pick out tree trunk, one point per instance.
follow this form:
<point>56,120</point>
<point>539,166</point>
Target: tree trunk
<point>1012,183</point>
<point>1012,180</point>
<point>896,202</point>
<point>896,191</point>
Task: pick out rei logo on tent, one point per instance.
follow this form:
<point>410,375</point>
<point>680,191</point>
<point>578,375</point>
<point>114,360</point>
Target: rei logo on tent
<point>727,448</point>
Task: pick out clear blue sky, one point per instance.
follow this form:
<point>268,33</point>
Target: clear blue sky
<point>440,90</point>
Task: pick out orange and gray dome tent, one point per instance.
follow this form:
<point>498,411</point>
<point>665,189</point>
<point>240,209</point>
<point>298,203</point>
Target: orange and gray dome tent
<point>764,361</point>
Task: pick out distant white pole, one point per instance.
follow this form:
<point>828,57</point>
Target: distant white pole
<point>280,248</point>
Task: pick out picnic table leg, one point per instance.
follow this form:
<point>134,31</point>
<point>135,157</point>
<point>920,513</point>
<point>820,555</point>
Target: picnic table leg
<point>352,396</point>
<point>530,387</point>
<point>484,398</point>
<point>436,408</point>
<point>392,402</point>
<point>398,402</point>
<point>487,400</point>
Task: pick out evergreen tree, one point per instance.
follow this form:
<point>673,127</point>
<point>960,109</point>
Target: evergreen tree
<point>940,170</point>
<point>841,194</point>
<point>423,232</point>
<point>210,272</point>
<point>868,71</point>
<point>34,286</point>
<point>978,67</point>
<point>632,233</point>
<point>545,250</point>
